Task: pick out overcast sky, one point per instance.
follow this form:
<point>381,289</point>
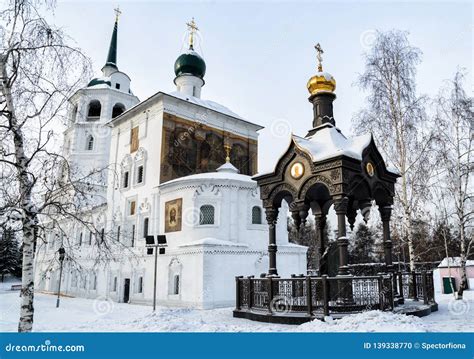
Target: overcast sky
<point>259,55</point>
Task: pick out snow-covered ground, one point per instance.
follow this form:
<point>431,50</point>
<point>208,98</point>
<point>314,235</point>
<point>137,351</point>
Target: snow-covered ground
<point>77,314</point>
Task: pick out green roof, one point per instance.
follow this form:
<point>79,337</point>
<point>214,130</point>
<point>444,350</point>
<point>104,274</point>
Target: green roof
<point>98,81</point>
<point>190,63</point>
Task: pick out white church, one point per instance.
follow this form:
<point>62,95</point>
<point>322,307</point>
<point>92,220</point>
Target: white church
<point>178,166</point>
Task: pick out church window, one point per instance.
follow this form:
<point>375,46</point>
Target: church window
<point>206,214</point>
<point>134,139</point>
<point>133,235</point>
<point>132,207</point>
<point>117,110</point>
<point>149,251</point>
<point>126,176</point>
<point>94,110</point>
<point>90,143</point>
<point>145,227</point>
<point>117,86</point>
<point>140,284</point>
<point>256,215</point>
<point>140,174</point>
<point>176,284</point>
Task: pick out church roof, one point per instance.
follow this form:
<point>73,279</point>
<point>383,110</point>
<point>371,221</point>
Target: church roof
<point>328,142</point>
<point>211,176</point>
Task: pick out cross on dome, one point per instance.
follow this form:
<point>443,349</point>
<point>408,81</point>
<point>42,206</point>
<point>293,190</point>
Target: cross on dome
<point>118,12</point>
<point>319,56</point>
<point>192,28</point>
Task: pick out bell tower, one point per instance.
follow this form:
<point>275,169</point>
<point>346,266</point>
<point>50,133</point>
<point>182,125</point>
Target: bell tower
<point>87,138</point>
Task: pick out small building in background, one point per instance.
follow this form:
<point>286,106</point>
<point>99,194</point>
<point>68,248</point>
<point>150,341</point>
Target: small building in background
<point>450,270</point>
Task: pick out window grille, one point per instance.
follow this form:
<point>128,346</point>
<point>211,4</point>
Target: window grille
<point>206,214</point>
<point>256,215</point>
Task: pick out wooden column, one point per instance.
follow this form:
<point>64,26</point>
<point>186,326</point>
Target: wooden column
<point>385,213</point>
<point>320,224</point>
<point>340,206</point>
<point>272,216</point>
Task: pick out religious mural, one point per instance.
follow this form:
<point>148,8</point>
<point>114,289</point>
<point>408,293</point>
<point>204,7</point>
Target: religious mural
<point>191,147</point>
<point>173,214</point>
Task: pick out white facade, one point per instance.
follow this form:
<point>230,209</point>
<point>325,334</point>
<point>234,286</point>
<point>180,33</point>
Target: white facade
<point>199,264</point>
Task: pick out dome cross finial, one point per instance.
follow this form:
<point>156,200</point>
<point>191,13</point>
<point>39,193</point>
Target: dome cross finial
<point>118,12</point>
<point>192,28</point>
<point>319,56</point>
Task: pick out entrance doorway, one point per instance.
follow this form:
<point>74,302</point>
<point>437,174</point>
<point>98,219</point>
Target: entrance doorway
<point>126,290</point>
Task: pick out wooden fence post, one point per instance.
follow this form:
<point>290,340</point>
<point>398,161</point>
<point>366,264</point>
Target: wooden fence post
<point>325,295</point>
<point>381,294</point>
<point>238,304</point>
<point>250,299</point>
<point>309,297</point>
<point>425,288</point>
<point>414,284</point>
<point>270,294</point>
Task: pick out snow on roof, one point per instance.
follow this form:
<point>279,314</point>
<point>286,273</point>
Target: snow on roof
<point>326,75</point>
<point>222,175</point>
<point>228,168</point>
<point>209,241</point>
<point>329,142</point>
<point>205,103</point>
<point>454,262</point>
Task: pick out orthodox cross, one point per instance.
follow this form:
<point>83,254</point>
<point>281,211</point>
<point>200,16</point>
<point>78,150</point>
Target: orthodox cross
<point>319,56</point>
<point>117,13</point>
<point>192,28</point>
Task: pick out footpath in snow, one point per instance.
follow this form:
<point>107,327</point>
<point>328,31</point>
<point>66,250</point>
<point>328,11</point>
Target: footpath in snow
<point>77,314</point>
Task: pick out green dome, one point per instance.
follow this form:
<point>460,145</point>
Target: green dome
<point>190,63</point>
<point>99,81</point>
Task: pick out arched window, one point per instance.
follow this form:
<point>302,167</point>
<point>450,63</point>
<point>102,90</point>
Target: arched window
<point>94,110</point>
<point>145,227</point>
<point>176,284</point>
<point>206,214</point>
<point>90,143</point>
<point>256,215</point>
<point>117,110</point>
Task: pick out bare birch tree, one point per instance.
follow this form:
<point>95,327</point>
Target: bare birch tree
<point>455,121</point>
<point>395,114</point>
<point>39,72</point>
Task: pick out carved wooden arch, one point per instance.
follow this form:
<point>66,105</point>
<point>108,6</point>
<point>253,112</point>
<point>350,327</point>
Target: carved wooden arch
<point>380,186</point>
<point>314,180</point>
<point>282,187</point>
<point>292,152</point>
<point>355,182</point>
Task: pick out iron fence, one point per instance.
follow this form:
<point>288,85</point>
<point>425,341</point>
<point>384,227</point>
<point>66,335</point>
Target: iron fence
<point>325,295</point>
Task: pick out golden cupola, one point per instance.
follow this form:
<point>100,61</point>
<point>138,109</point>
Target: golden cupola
<point>321,81</point>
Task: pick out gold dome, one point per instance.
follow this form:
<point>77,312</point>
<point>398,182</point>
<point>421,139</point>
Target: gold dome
<point>321,82</point>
